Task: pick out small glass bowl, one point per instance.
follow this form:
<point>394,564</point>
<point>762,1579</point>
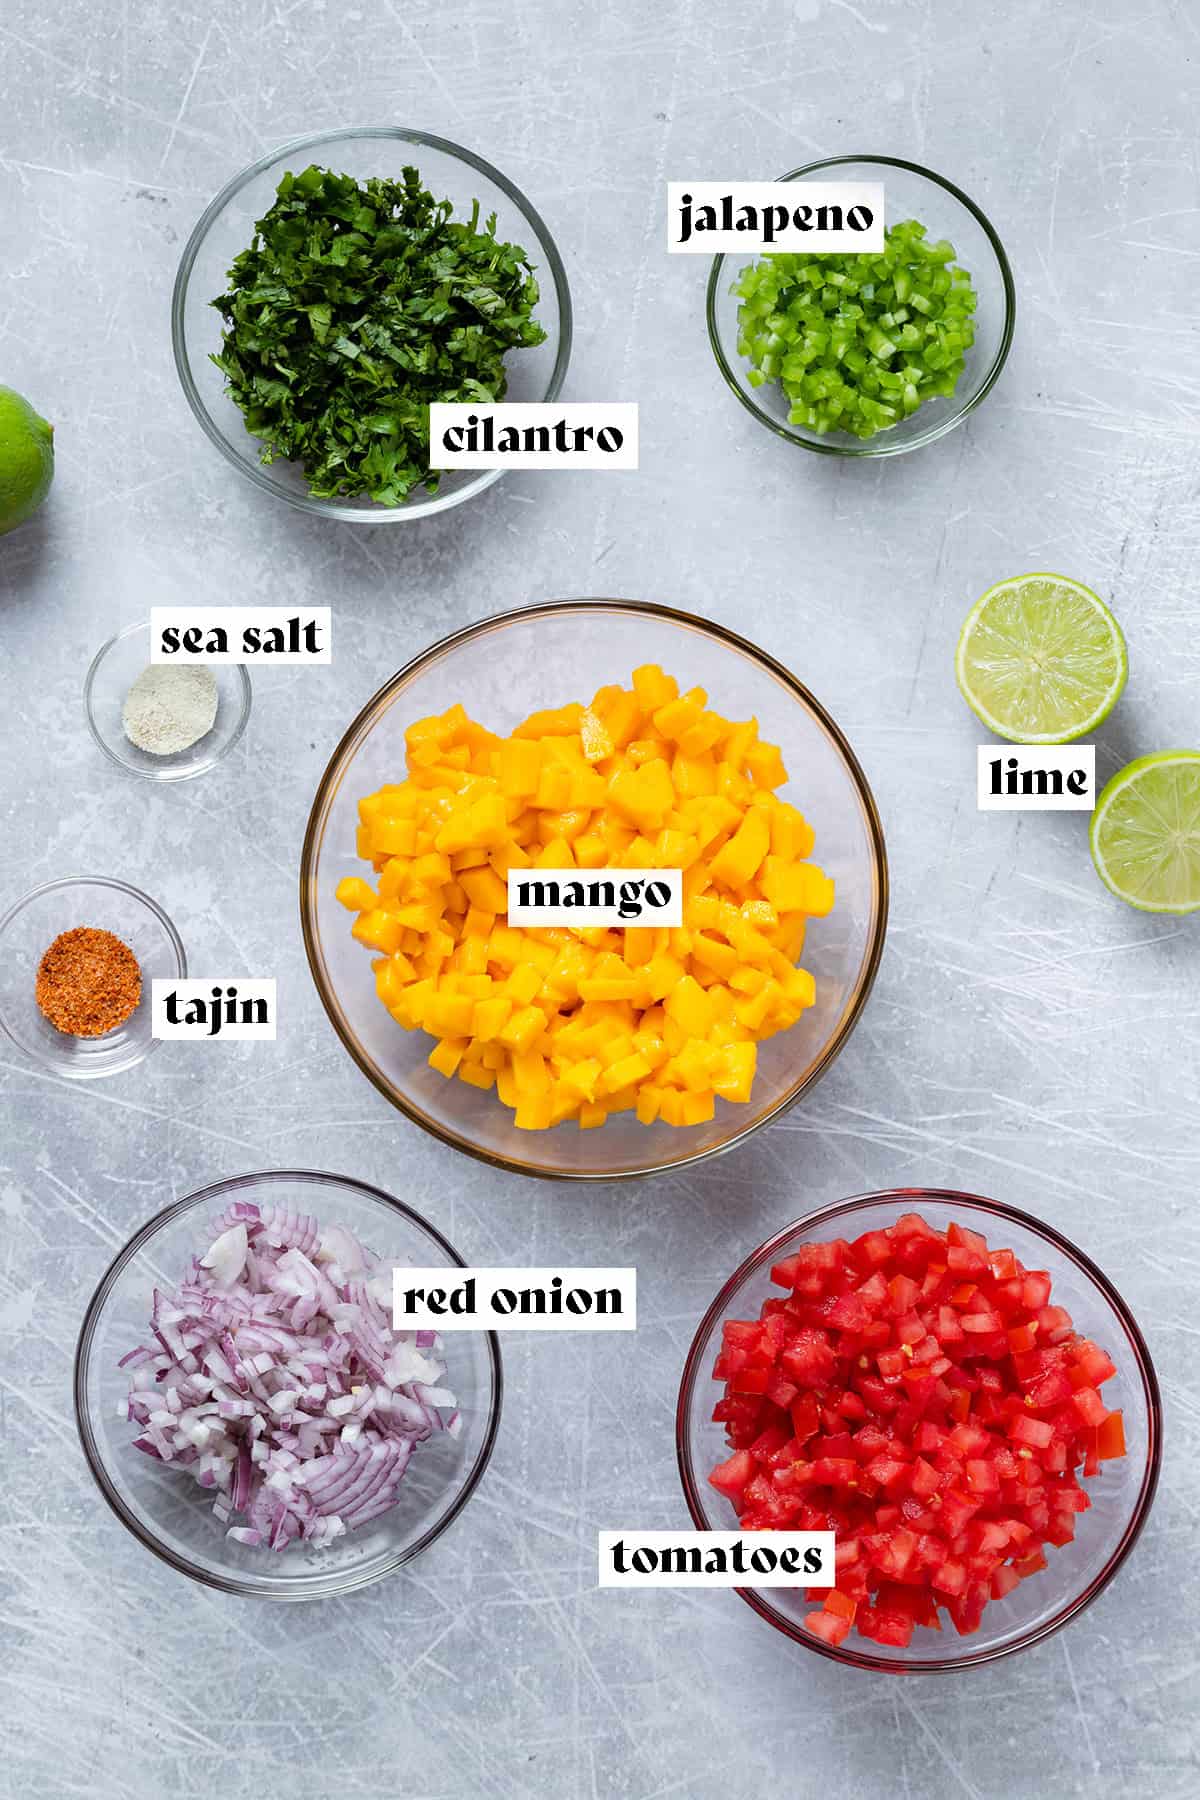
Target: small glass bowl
<point>113,671</point>
<point>165,1509</point>
<point>504,668</point>
<point>227,228</point>
<point>1121,1494</point>
<point>909,192</point>
<point>29,928</point>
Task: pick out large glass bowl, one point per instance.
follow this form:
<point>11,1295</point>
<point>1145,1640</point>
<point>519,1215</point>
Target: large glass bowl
<point>227,227</point>
<point>165,1509</point>
<point>502,669</point>
<point>910,192</point>
<point>1121,1494</point>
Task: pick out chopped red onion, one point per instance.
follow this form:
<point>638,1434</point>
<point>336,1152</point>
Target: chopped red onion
<point>276,1377</point>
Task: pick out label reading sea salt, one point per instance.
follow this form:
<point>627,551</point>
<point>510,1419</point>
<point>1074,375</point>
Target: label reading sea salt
<point>704,217</point>
<point>513,434</point>
<point>1036,778</point>
<point>514,1299</point>
<point>241,634</point>
<point>715,1559</point>
<point>591,898</point>
<point>202,1009</point>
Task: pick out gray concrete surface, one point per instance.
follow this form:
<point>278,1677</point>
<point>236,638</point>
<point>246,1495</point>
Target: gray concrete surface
<point>1028,1038</point>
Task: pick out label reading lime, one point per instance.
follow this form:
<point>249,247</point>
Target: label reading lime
<point>1036,778</point>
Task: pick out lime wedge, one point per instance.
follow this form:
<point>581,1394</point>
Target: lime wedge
<point>1145,833</point>
<point>1041,660</point>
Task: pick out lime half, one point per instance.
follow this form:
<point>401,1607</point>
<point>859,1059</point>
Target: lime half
<point>1041,660</point>
<point>1145,833</point>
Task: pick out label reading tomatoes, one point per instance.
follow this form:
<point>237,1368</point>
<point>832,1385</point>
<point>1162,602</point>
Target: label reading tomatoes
<point>715,1559</point>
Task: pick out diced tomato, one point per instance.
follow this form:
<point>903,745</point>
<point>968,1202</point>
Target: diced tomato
<point>1035,1433</point>
<point>848,1313</point>
<point>805,1416</point>
<point>731,1477</point>
<point>1054,1324</point>
<point>1090,1407</point>
<point>968,1609</point>
<point>1035,1290</point>
<point>903,1292</point>
<point>810,1360</point>
<point>1004,1580</point>
<point>829,1626</point>
<point>1051,1389</point>
<point>982,1478</point>
<point>884,1627</point>
<point>784,1273</point>
<point>921,1396</point>
<point>888,1471</point>
<point>924,1479</point>
<point>874,1248</point>
<point>1091,1366</point>
<point>951,1576</point>
<point>840,1604</point>
<point>1110,1437</point>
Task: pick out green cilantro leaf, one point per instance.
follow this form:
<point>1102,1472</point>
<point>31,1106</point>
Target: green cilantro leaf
<point>358,305</point>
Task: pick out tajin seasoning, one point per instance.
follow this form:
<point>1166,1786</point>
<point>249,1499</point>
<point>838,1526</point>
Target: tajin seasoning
<point>88,982</point>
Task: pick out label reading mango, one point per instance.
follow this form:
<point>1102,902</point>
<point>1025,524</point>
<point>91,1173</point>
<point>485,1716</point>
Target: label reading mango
<point>595,898</point>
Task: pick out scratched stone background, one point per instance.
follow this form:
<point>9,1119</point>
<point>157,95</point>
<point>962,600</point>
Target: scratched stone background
<point>1027,1038</point>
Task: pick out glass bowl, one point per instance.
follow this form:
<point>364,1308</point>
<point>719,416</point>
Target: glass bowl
<point>909,192</point>
<point>504,668</point>
<point>29,928</point>
<point>1121,1494</point>
<point>167,1511</point>
<point>227,227</point>
<point>116,666</point>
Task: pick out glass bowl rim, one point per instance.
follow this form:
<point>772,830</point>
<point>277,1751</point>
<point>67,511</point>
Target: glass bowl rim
<point>333,774</point>
<point>906,1199</point>
<point>134,893</point>
<point>870,448</point>
<point>231,1584</point>
<point>257,472</point>
<point>167,774</point>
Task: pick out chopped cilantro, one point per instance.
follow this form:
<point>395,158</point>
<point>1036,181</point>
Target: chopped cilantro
<point>356,306</point>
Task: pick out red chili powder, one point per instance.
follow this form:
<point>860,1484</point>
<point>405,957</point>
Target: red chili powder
<point>88,982</point>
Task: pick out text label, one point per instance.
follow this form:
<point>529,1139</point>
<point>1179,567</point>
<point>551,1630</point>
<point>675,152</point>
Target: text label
<point>592,898</point>
<point>1036,777</point>
<point>716,1559</point>
<point>203,1008</point>
<point>704,217</point>
<point>527,435</point>
<point>514,1299</point>
<point>240,634</point>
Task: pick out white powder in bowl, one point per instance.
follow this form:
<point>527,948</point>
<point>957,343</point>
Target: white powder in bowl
<point>168,710</point>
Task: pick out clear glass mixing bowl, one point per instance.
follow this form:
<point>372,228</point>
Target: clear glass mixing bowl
<point>502,669</point>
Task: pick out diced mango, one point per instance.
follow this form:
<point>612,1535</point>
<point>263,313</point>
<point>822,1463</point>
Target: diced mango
<point>356,894</point>
<point>584,1023</point>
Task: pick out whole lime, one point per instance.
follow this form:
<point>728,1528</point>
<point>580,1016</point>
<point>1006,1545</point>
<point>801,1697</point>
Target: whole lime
<point>26,459</point>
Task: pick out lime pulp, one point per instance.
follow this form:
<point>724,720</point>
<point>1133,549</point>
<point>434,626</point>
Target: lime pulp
<point>1041,660</point>
<point>1145,832</point>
